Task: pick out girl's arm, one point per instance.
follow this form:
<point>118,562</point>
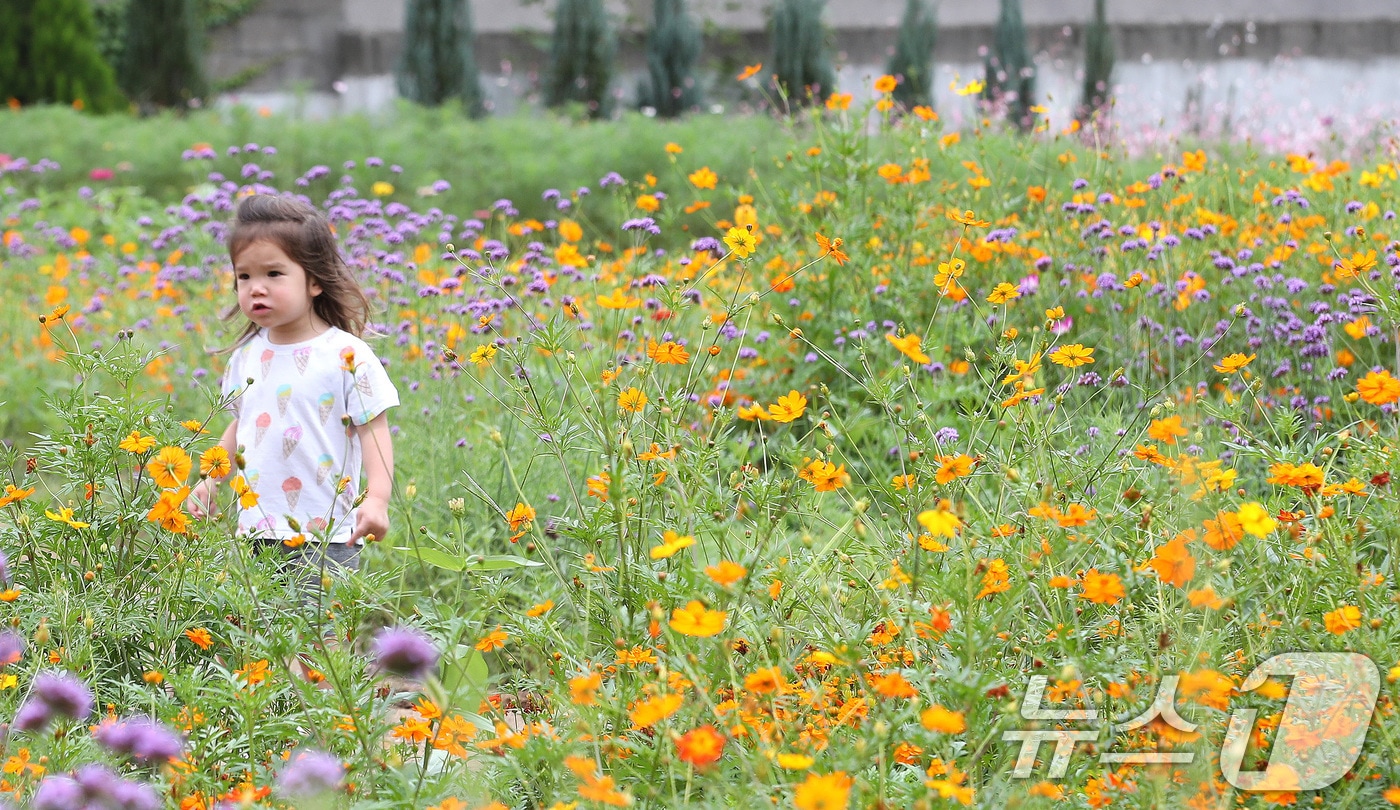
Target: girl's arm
<point>377,445</point>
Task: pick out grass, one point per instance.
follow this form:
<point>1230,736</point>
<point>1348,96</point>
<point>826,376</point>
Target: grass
<point>771,517</point>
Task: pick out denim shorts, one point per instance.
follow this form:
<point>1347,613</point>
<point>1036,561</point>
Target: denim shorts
<point>312,560</point>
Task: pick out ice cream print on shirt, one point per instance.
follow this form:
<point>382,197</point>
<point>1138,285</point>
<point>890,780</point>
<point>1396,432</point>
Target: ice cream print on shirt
<point>297,407</point>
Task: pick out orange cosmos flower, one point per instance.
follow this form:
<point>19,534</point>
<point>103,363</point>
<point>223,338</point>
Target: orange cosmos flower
<point>633,400</point>
<point>750,71</point>
<point>700,747</point>
<point>1166,430</point>
<point>583,690</point>
<point>696,620</point>
<point>167,511</point>
<point>668,353</point>
<point>671,543</point>
<point>968,218</point>
<point>942,721</point>
<point>765,681</point>
<point>170,467</point>
<point>1173,562</point>
<point>214,462</point>
<point>703,178</point>
<point>494,640</point>
<point>1379,388</point>
<point>892,685</point>
<point>886,84</point>
<point>520,516</point>
<point>1233,362</point>
<point>1101,589</point>
<point>832,248</point>
<point>839,101</point>
<point>1224,532</point>
<point>910,347</point>
<point>951,468</point>
<point>1343,619</point>
<point>725,573</point>
<point>200,637</point>
<point>649,712</point>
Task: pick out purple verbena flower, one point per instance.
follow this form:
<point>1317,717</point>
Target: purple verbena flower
<point>310,773</point>
<point>140,738</point>
<point>405,651</point>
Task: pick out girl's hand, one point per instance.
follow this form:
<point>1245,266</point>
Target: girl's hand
<point>371,521</point>
<point>203,499</point>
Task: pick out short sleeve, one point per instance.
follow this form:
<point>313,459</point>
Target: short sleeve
<point>234,379</point>
<point>369,391</point>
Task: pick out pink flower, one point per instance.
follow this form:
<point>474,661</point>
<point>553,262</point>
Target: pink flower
<point>100,174</point>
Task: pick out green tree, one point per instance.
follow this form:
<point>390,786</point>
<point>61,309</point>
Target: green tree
<point>49,54</point>
<point>1010,71</point>
<point>800,60</point>
<point>161,64</point>
<point>1098,63</point>
<point>438,62</point>
<point>672,51</point>
<point>581,57</point>
<point>912,62</point>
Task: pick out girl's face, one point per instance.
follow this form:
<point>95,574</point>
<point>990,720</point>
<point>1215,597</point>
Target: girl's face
<point>275,293</point>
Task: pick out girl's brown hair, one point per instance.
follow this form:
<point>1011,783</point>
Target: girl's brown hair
<point>305,236</point>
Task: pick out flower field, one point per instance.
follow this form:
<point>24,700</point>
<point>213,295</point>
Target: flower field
<point>798,485</point>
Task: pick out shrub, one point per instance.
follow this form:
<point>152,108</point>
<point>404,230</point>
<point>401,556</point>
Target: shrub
<point>1098,63</point>
<point>581,57</point>
<point>800,61</point>
<point>1010,71</point>
<point>161,64</point>
<point>49,53</point>
<point>438,61</point>
<point>913,55</point>
<point>672,50</point>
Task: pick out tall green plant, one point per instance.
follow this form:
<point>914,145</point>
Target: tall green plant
<point>1010,71</point>
<point>162,64</point>
<point>1098,62</point>
<point>438,62</point>
<point>800,60</point>
<point>581,57</point>
<point>912,60</point>
<point>672,51</point>
<point>49,53</point>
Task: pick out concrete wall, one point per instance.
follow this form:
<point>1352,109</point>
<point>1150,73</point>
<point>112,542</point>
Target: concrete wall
<point>340,54</point>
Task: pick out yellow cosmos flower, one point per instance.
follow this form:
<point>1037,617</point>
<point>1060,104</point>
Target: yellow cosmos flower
<point>741,242</point>
<point>1072,356</point>
<point>788,407</point>
<point>136,443</point>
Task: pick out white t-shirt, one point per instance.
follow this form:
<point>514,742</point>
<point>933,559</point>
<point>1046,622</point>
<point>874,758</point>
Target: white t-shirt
<point>291,403</point>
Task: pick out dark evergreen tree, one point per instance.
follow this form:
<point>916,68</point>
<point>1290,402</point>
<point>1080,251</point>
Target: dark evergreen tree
<point>581,57</point>
<point>438,62</point>
<point>49,54</point>
<point>912,62</point>
<point>1010,71</point>
<point>672,51</point>
<point>162,58</point>
<point>16,80</point>
<point>1098,63</point>
<point>800,60</point>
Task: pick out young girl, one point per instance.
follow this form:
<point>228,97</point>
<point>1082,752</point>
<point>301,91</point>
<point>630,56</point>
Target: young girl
<point>309,396</point>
